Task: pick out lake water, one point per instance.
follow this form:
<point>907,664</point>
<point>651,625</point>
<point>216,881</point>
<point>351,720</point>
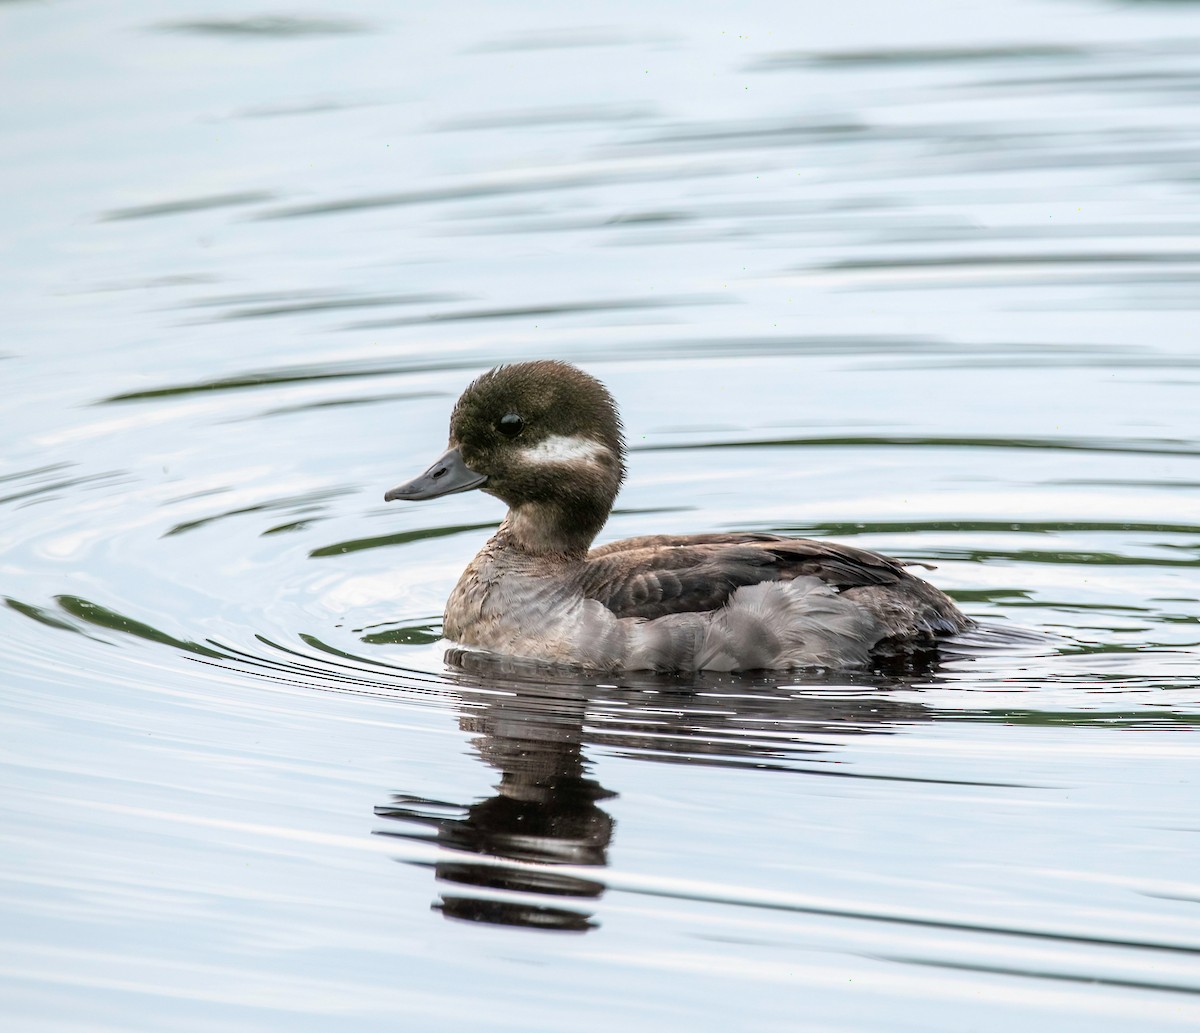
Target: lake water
<point>921,278</point>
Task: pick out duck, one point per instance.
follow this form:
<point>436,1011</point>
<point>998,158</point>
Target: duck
<point>545,438</point>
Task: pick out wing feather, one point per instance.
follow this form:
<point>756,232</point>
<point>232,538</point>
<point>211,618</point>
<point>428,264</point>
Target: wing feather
<point>658,575</point>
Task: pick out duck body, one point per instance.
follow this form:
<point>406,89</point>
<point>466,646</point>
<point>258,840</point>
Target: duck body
<point>545,438</point>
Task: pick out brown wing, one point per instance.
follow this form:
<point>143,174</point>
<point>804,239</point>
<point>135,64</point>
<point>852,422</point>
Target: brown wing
<point>658,575</point>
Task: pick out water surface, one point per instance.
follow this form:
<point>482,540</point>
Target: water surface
<point>925,283</point>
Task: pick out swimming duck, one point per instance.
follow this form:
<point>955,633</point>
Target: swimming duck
<point>545,438</point>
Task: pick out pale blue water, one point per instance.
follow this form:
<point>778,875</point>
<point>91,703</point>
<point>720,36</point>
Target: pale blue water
<point>925,281</point>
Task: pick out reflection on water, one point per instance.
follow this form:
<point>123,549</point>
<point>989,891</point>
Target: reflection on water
<point>536,852</point>
<point>531,726</point>
<point>923,281</point>
<point>545,810</point>
<point>276,27</point>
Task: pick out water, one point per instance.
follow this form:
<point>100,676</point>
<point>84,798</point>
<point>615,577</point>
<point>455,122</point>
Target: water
<point>926,284</point>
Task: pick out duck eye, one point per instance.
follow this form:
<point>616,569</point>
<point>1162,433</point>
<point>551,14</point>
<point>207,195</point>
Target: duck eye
<point>510,425</point>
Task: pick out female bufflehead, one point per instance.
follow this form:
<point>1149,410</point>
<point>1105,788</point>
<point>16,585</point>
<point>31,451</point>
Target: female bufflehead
<point>545,438</point>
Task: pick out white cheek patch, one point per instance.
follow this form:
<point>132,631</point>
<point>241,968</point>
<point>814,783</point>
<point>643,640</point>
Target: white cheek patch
<point>560,449</point>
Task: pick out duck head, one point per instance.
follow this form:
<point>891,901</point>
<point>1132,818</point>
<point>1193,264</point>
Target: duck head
<point>543,437</point>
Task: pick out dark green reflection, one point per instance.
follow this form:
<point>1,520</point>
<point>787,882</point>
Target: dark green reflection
<point>186,205</point>
<point>914,56</point>
<point>844,529</point>
<point>266,26</point>
<point>1083,718</point>
<point>39,614</point>
<point>1119,446</point>
<point>288,375</point>
<point>359,544</point>
<point>102,617</point>
<point>299,503</point>
<point>422,634</point>
<point>1088,559</point>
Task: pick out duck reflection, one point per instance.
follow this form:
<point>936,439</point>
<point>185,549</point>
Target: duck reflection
<point>545,810</point>
<point>531,723</point>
